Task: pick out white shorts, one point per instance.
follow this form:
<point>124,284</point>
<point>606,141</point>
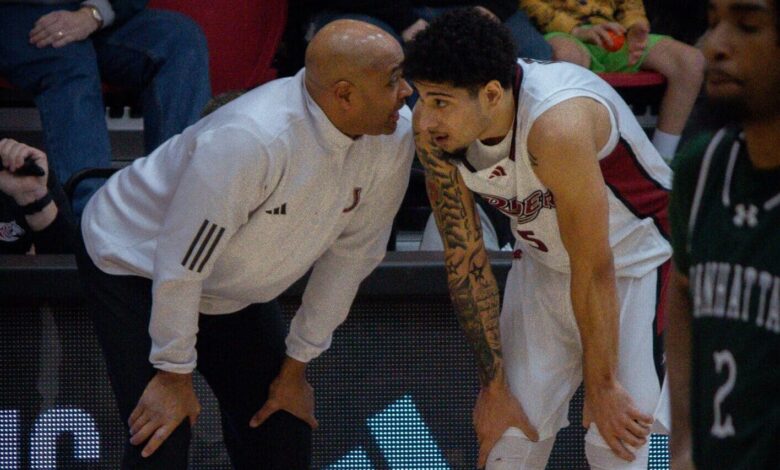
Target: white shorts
<point>543,353</point>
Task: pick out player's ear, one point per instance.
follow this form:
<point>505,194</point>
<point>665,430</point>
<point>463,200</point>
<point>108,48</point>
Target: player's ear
<point>493,92</point>
<point>343,92</point>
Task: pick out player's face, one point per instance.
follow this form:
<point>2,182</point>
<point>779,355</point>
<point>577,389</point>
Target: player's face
<point>743,58</point>
<point>453,116</point>
<point>381,94</point>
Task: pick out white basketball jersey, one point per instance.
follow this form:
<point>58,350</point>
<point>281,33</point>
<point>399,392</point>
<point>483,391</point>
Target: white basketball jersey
<point>637,178</point>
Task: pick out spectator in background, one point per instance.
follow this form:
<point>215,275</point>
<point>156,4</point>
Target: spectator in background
<point>35,218</point>
<point>583,31</point>
<point>33,209</point>
<point>59,51</point>
<point>407,17</point>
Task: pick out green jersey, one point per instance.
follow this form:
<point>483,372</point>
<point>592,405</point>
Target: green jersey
<point>726,235</point>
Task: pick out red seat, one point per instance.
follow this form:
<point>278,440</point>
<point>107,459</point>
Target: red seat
<point>633,80</point>
<point>242,35</point>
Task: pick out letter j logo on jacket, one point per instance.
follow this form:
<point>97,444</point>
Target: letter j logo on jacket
<point>355,200</point>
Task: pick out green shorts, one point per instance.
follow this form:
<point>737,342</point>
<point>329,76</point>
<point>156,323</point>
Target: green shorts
<point>601,60</point>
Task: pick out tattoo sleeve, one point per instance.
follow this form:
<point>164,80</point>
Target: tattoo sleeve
<point>472,286</point>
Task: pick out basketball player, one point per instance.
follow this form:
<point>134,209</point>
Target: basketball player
<point>302,171</point>
<point>724,336</point>
<point>556,149</point>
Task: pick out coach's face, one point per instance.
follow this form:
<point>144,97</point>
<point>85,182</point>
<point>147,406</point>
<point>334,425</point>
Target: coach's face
<point>454,117</point>
<point>743,58</point>
<point>381,93</point>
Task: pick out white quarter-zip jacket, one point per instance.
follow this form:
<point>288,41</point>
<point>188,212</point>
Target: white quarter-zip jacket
<point>240,205</point>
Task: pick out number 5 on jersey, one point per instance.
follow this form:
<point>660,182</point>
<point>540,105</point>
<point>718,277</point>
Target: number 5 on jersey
<point>528,235</point>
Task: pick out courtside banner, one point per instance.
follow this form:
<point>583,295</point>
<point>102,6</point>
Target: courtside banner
<point>395,391</point>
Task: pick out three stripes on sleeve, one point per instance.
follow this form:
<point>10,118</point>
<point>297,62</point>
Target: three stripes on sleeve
<point>205,241</point>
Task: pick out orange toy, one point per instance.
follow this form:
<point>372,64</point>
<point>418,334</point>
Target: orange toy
<point>617,41</point>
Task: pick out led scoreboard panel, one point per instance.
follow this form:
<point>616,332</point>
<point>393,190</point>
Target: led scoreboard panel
<point>395,390</point>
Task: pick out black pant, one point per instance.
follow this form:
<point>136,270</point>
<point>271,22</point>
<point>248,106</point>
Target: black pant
<point>239,355</point>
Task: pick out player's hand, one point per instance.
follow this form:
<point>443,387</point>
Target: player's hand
<point>291,392</point>
<point>497,410</point>
<point>619,421</point>
<point>598,34</point>
<point>23,189</point>
<point>409,33</point>
<point>637,41</point>
<point>166,401</point>
<point>62,27</point>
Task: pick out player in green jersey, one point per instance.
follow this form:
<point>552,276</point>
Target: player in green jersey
<point>723,340</point>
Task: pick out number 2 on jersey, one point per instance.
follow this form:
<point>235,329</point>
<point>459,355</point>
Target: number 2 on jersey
<point>723,426</point>
<point>528,235</point>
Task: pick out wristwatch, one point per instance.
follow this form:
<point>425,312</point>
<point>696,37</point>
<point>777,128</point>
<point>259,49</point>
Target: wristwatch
<point>95,14</point>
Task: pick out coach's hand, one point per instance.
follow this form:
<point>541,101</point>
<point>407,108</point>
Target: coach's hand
<point>496,411</point>
<point>291,392</point>
<point>619,421</point>
<point>166,401</point>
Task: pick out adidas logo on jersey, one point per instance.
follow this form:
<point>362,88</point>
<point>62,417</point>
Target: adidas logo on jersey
<point>281,210</point>
<point>497,171</point>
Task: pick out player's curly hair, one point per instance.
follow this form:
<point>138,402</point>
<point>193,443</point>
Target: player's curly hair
<point>464,48</point>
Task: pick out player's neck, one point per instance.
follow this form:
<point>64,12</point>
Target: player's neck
<point>761,137</point>
<point>502,121</point>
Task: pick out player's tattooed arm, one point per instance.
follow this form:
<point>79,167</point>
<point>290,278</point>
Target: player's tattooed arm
<point>472,286</point>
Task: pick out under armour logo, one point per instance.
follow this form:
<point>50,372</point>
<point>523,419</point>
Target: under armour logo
<point>746,215</point>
